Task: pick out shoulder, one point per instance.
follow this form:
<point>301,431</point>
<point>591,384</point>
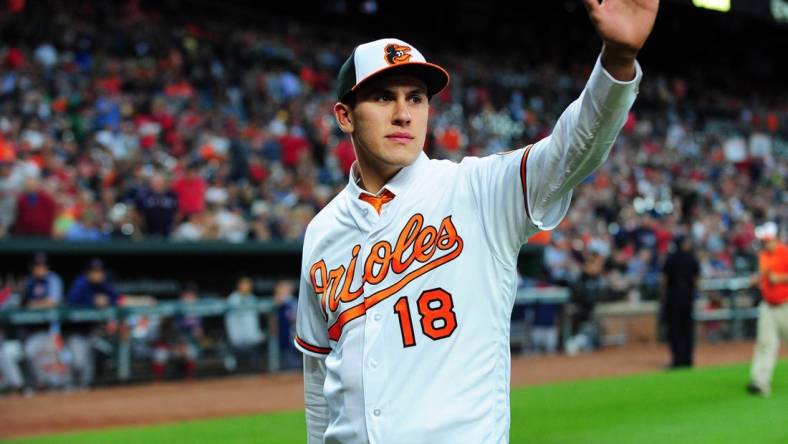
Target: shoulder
<point>327,216</point>
<point>439,169</point>
<point>79,281</point>
<point>330,218</point>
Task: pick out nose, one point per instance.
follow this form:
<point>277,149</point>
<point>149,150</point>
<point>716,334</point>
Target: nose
<point>401,112</point>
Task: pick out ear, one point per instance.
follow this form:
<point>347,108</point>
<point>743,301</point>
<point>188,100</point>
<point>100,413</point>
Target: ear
<point>344,116</point>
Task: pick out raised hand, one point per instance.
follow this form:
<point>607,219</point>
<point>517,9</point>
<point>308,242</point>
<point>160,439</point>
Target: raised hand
<point>624,26</point>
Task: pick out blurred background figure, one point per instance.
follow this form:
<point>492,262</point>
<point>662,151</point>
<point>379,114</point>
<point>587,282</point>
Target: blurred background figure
<point>773,310</point>
<point>11,378</point>
<point>157,204</point>
<point>92,289</point>
<point>35,211</point>
<point>286,304</point>
<point>242,323</point>
<point>46,357</point>
<point>680,281</point>
<point>11,183</point>
<point>179,339</point>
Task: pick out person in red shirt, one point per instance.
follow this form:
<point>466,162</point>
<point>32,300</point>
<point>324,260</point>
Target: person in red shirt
<point>190,189</point>
<point>35,211</point>
<point>773,311</point>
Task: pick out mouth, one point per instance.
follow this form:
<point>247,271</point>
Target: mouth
<point>401,138</point>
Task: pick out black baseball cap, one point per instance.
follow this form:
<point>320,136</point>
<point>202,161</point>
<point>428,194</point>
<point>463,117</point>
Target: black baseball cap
<point>96,264</point>
<point>370,60</point>
<point>39,259</point>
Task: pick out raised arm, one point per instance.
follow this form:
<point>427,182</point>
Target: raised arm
<point>586,130</point>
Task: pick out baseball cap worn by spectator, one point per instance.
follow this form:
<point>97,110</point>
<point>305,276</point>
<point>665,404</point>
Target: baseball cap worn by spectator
<point>386,56</point>
<point>767,231</point>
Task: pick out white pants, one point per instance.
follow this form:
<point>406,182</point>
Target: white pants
<point>83,359</point>
<point>772,325</point>
<point>45,361</point>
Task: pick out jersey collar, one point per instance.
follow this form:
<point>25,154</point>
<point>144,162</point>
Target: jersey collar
<point>405,179</point>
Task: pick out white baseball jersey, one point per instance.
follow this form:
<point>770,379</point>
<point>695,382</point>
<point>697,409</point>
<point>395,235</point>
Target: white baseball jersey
<point>411,307</point>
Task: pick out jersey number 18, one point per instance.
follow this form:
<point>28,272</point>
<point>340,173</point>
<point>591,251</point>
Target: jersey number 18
<point>438,319</point>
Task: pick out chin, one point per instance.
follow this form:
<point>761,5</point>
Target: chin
<point>404,160</point>
<point>402,155</point>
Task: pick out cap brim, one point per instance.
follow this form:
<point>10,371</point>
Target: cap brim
<point>435,77</point>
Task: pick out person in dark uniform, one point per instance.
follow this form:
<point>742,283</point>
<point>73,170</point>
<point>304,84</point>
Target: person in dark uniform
<point>680,277</point>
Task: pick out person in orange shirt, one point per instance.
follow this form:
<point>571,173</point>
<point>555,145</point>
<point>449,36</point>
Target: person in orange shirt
<point>773,310</point>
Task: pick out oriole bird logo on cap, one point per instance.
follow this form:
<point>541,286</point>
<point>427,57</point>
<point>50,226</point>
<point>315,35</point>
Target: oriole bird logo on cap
<point>396,54</point>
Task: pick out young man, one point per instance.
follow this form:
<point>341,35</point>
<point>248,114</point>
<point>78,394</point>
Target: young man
<point>409,274</point>
<point>773,311</point>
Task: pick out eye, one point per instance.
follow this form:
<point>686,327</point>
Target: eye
<point>384,97</point>
<point>417,98</point>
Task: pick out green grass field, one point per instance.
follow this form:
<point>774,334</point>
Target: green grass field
<point>693,406</point>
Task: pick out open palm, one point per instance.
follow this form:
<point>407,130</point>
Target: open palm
<point>625,24</point>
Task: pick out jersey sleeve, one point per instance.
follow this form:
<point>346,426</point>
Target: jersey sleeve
<point>311,325</point>
<point>496,184</point>
<point>527,190</point>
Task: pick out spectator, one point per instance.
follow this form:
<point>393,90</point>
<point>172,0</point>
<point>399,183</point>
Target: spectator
<point>231,225</point>
<point>286,306</point>
<point>87,228</point>
<point>35,210</point>
<point>190,189</point>
<point>11,184</point>
<point>158,205</point>
<point>180,339</point>
<point>43,345</point>
<point>11,378</point>
<point>242,323</point>
<point>91,289</point>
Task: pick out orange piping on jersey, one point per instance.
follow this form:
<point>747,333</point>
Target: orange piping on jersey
<point>522,179</point>
<point>447,239</point>
<point>312,348</point>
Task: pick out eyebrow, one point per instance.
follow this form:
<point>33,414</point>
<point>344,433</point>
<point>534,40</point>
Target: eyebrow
<point>386,90</point>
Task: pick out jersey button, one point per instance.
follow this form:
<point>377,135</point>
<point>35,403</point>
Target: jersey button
<point>373,363</point>
<point>378,317</point>
<point>376,412</point>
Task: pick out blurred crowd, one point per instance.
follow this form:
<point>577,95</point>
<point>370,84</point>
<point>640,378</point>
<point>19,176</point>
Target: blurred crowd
<point>65,353</point>
<point>115,124</point>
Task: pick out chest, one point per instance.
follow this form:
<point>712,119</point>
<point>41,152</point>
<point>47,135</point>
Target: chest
<point>419,248</point>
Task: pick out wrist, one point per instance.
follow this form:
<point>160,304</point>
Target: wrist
<point>619,61</point>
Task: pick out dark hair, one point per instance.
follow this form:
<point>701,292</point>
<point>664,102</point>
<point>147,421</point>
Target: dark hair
<point>349,99</point>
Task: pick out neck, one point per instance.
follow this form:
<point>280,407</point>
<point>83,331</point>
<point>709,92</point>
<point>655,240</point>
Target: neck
<point>373,176</point>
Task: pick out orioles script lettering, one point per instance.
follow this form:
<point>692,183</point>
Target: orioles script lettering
<point>418,250</point>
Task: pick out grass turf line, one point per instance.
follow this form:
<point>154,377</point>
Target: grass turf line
<point>699,406</point>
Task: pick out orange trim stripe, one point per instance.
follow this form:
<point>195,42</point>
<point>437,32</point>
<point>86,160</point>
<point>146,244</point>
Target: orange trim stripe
<point>312,348</point>
<point>522,179</point>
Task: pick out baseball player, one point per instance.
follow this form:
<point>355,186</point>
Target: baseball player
<point>409,273</point>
